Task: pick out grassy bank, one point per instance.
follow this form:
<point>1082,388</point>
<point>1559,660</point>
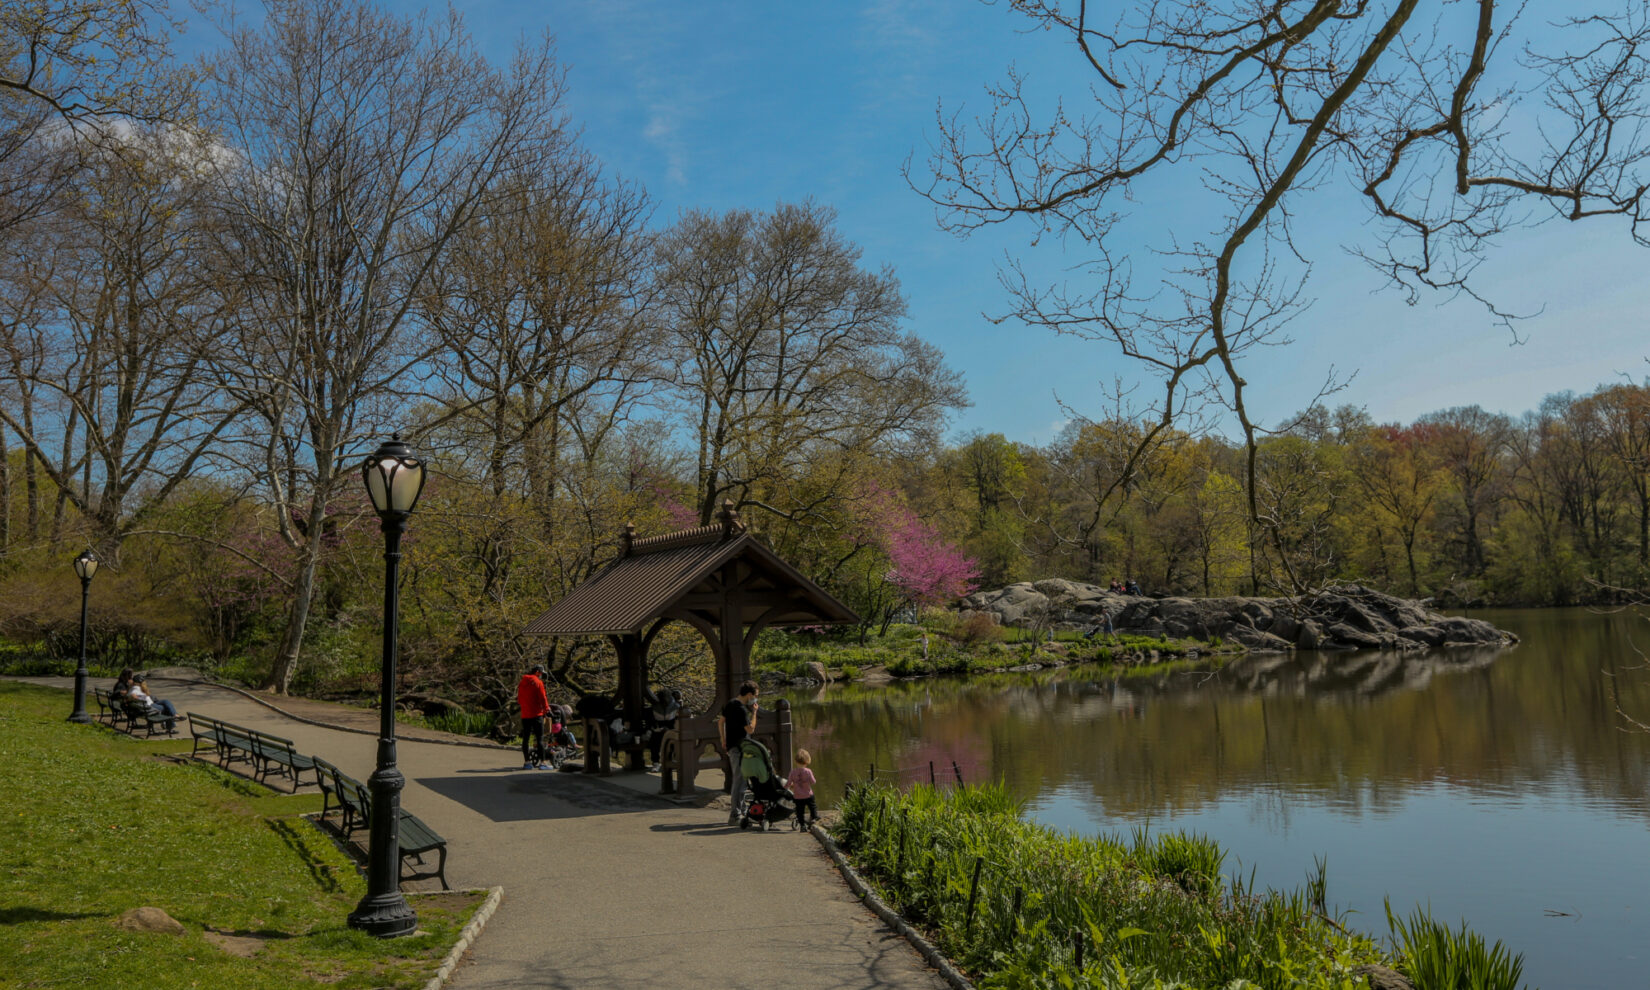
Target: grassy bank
<point>901,653</point>
<point>1020,905</point>
<point>98,823</point>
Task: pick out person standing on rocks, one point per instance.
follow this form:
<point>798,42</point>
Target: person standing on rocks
<point>535,704</point>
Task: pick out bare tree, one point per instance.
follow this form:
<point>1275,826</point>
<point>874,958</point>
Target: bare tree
<point>790,352</point>
<point>359,145</point>
<point>110,320</point>
<point>67,64</point>
<point>1625,410</point>
<point>1471,445</point>
<point>541,302</point>
<point>1269,103</point>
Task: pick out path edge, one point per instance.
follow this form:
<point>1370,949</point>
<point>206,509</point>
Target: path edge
<point>256,698</point>
<point>889,916</point>
<point>465,938</point>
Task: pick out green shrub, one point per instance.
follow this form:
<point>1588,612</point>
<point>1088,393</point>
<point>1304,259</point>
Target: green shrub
<point>464,723</point>
<point>910,666</point>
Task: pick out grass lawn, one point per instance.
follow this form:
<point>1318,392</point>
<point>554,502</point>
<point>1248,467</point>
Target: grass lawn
<point>94,823</point>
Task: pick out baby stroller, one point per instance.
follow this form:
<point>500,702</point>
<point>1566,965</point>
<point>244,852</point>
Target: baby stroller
<point>767,800</point>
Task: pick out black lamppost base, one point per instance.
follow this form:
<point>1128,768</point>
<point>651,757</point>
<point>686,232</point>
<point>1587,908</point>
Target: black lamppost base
<point>385,916</point>
<point>80,718</point>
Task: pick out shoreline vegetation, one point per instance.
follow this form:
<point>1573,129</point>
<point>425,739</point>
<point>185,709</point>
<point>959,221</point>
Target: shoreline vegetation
<point>1017,904</point>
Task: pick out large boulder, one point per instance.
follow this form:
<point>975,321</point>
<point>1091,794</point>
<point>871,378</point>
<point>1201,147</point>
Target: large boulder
<point>1349,617</point>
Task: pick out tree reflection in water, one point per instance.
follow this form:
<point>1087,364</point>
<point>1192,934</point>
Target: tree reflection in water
<point>1315,752</point>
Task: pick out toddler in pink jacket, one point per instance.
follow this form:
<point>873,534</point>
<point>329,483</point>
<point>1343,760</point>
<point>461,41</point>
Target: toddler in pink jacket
<point>801,783</point>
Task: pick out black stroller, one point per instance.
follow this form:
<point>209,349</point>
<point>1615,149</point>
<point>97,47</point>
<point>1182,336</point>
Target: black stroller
<point>767,800</point>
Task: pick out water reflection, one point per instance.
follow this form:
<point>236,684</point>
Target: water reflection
<point>1407,769</point>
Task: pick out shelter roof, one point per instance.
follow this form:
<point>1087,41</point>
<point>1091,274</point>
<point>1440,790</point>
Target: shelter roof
<point>689,572</point>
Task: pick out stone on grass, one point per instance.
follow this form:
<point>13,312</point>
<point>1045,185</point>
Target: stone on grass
<point>150,919</point>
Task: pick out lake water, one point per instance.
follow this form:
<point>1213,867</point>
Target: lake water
<point>1498,786</point>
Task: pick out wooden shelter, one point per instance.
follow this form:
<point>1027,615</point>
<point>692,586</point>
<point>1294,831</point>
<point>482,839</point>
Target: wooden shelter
<point>722,581</point>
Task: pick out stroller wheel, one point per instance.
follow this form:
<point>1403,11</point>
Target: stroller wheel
<point>764,824</point>
<point>744,823</point>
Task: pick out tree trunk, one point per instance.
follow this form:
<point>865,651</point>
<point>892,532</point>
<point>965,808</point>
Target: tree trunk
<point>1644,524</point>
<point>31,489</point>
<point>303,592</point>
<point>5,494</point>
<point>1475,549</point>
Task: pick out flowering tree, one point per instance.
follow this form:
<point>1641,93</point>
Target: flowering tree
<point>927,569</point>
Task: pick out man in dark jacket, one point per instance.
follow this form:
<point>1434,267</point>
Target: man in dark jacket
<point>737,720</point>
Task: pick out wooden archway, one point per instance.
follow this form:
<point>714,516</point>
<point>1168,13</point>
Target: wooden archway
<point>719,579</point>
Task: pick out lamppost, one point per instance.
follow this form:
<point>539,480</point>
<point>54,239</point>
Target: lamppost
<point>394,476</point>
<point>85,565</point>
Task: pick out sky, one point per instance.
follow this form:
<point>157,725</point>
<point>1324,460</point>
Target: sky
<point>723,105</point>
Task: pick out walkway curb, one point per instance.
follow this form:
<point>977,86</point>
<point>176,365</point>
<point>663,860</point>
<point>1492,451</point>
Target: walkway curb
<point>465,938</point>
<point>889,916</point>
<point>277,709</point>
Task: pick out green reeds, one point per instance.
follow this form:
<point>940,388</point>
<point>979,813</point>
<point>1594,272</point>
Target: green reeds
<point>1437,957</point>
<point>1022,905</point>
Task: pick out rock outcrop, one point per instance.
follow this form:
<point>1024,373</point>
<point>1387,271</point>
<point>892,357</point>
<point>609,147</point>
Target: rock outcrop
<point>1341,618</point>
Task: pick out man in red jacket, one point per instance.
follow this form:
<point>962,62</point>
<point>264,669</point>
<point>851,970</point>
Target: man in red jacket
<point>535,704</point>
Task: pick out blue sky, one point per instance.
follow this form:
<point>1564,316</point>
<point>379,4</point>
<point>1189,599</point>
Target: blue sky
<point>721,105</point>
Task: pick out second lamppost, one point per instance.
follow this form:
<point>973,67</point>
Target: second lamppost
<point>85,565</point>
<point>394,476</point>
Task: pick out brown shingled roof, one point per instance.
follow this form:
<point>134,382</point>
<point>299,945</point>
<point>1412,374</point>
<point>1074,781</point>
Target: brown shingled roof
<point>683,572</point>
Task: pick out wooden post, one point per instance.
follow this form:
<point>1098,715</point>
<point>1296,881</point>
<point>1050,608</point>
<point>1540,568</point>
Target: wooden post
<point>1014,916</point>
<point>958,771</point>
<point>1079,952</point>
<point>784,735</point>
<point>930,773</point>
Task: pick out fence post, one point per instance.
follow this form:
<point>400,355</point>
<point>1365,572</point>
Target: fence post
<point>1079,952</point>
<point>958,771</point>
<point>1014,916</point>
<point>973,891</point>
<point>873,775</point>
<point>930,773</point>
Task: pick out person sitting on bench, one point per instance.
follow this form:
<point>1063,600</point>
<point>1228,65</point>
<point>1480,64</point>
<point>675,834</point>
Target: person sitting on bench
<point>122,688</point>
<point>140,694</point>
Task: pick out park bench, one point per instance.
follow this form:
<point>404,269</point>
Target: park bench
<point>152,718</point>
<point>348,794</point>
<point>278,756</point>
<point>226,739</point>
<point>108,711</point>
<point>417,839</point>
<point>354,800</point>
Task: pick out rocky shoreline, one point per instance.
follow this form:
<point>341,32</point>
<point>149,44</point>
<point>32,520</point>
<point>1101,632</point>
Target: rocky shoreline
<point>1348,617</point>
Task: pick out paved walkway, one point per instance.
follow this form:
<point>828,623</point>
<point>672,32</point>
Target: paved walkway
<point>604,885</point>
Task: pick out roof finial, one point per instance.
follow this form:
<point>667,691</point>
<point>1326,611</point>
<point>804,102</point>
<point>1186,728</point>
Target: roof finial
<point>627,539</point>
<point>729,517</point>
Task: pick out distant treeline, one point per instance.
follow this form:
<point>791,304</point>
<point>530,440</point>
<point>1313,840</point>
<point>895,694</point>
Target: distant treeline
<point>1550,508</point>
